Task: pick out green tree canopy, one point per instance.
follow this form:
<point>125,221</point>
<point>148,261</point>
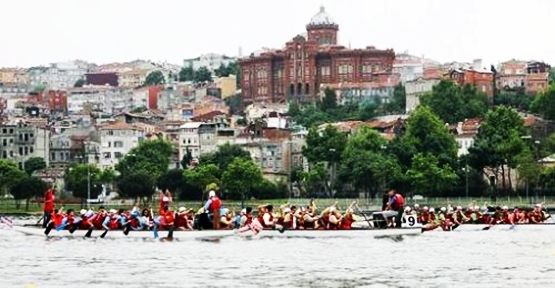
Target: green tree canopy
<point>398,102</point>
<point>225,155</point>
<point>544,103</point>
<point>9,174</point>
<point>202,75</point>
<point>186,74</point>
<point>454,103</point>
<point>79,83</point>
<point>155,78</point>
<point>330,99</point>
<point>428,176</point>
<point>76,180</point>
<point>326,145</point>
<point>34,164</point>
<point>27,187</point>
<point>240,178</point>
<point>202,175</point>
<point>498,143</point>
<point>151,156</point>
<point>426,133</point>
<point>136,185</point>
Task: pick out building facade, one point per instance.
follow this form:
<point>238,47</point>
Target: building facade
<point>211,61</point>
<point>415,89</point>
<point>308,63</point>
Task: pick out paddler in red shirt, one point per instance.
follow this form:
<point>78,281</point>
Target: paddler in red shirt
<point>48,208</point>
<point>213,206</point>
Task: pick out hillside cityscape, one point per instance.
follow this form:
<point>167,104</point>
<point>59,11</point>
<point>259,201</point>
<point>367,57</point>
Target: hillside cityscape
<point>313,118</point>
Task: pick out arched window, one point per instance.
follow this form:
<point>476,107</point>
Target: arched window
<point>299,89</point>
<point>306,89</point>
<point>292,89</point>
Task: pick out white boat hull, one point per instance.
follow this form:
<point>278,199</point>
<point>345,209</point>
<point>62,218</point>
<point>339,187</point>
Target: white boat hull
<point>218,234</point>
<point>500,227</point>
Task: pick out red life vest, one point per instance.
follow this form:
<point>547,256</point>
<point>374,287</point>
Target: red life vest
<point>114,223</point>
<point>262,222</point>
<point>49,201</point>
<point>249,219</point>
<point>216,204</point>
<point>57,219</point>
<point>398,202</point>
<point>424,218</point>
<point>347,222</point>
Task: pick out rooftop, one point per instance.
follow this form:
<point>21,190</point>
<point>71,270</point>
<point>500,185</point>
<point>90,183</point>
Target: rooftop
<point>321,18</point>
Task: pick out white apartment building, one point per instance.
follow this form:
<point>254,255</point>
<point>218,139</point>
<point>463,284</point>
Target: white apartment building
<point>100,98</point>
<point>211,61</point>
<point>116,140</point>
<point>415,89</point>
<point>60,75</point>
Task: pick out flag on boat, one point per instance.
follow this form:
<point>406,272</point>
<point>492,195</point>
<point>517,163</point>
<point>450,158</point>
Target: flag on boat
<point>7,221</point>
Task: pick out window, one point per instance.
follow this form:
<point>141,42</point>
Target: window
<point>53,156</point>
<point>26,150</point>
<point>4,130</point>
<point>11,131</point>
<point>325,70</point>
<point>4,154</point>
<point>31,150</point>
<point>118,144</point>
<point>4,142</point>
<point>118,155</point>
<point>20,151</point>
<point>107,155</point>
<point>345,69</point>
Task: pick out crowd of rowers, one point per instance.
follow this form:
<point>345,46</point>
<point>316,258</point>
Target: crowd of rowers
<point>211,216</point>
<point>214,216</point>
<point>448,218</point>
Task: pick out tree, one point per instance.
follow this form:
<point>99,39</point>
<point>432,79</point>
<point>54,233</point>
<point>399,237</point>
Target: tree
<point>426,133</point>
<point>515,98</point>
<point>186,74</point>
<point>225,155</point>
<point>234,103</point>
<point>136,185</point>
<point>330,99</point>
<point>187,158</point>
<point>151,156</point>
<point>366,164</point>
<point>547,146</point>
<point>454,103</point>
<point>26,188</point>
<point>77,180</point>
<point>34,164</point>
<point>173,180</point>
<point>326,145</point>
<point>202,175</point>
<point>155,78</point>
<point>398,102</point>
<point>9,174</point>
<point>498,143</point>
<point>428,176</point>
<point>79,83</point>
<point>202,75</point>
<point>240,178</point>
<point>544,103</point>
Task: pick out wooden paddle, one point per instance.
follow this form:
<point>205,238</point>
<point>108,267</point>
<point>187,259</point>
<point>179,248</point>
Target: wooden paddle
<point>363,215</point>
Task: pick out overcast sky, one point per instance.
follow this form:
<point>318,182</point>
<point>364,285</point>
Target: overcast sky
<point>36,32</point>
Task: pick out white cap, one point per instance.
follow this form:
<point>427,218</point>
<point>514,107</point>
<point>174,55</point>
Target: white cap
<point>407,209</point>
<point>165,199</point>
<point>286,210</point>
<point>416,206</point>
<point>505,207</point>
<point>443,209</point>
<point>113,211</point>
<point>181,209</point>
<point>459,208</point>
<point>83,211</point>
<point>432,209</point>
<point>425,208</point>
<point>244,211</point>
<point>211,194</point>
<point>476,208</point>
<point>332,209</point>
<point>538,205</point>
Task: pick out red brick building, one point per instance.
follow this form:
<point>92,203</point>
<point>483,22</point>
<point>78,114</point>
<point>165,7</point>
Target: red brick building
<point>480,78</point>
<point>57,100</point>
<point>308,63</point>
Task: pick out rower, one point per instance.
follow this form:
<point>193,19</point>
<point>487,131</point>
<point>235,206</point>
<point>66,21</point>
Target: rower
<point>49,197</point>
<point>347,220</point>
<point>334,219</point>
<point>266,217</point>
<point>248,223</point>
<point>458,217</point>
<point>213,206</point>
<point>394,208</point>
<point>182,221</point>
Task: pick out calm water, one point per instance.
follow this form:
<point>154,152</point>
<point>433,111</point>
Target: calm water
<point>457,259</point>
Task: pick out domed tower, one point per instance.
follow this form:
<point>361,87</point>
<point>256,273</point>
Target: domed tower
<point>322,28</point>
